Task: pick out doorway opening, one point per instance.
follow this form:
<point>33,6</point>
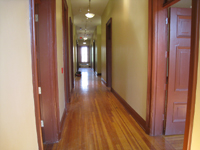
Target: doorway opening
<point>94,60</point>
<point>84,57</point>
<point>158,35</point>
<point>109,53</point>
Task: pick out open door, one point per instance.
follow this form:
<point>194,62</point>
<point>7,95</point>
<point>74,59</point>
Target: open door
<point>179,61</point>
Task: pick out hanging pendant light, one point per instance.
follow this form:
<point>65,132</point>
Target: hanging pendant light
<point>89,15</point>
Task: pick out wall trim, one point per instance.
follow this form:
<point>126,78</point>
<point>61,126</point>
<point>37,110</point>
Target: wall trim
<point>62,122</point>
<point>131,111</point>
<point>98,74</point>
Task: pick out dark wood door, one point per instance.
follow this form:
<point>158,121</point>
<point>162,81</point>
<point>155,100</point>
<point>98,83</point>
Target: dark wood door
<point>47,70</point>
<point>179,60</point>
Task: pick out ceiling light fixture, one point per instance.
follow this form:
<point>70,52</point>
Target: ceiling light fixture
<point>89,15</point>
<point>85,38</point>
<point>84,42</point>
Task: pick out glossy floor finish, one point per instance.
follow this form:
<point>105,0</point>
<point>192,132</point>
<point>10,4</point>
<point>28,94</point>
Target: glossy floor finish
<point>97,121</point>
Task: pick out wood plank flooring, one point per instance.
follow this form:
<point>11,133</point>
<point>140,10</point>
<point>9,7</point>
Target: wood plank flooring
<point>97,121</point>
<point>176,141</point>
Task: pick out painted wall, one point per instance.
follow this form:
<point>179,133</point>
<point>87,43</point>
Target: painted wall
<point>60,61</point>
<point>17,112</point>
<point>196,129</point>
<point>129,50</point>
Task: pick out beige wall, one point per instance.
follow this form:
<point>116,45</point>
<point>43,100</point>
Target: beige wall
<point>129,50</point>
<point>60,64</point>
<point>196,129</point>
<point>17,114</point>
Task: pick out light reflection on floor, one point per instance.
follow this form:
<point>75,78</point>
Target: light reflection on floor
<point>88,81</point>
<point>84,81</point>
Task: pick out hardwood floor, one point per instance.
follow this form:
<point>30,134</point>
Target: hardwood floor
<point>176,141</point>
<point>97,121</point>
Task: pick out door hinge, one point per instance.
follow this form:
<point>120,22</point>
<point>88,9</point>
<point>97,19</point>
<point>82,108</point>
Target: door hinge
<point>167,21</point>
<point>42,123</point>
<point>36,18</point>
<point>39,90</point>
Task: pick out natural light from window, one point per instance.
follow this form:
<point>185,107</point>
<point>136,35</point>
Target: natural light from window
<point>84,54</point>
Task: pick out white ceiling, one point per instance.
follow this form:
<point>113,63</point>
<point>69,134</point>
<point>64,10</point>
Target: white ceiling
<point>79,9</point>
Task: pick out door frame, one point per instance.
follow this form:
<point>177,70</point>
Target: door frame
<point>71,54</point>
<point>94,63</point>
<point>66,52</point>
<point>156,79</point>
<point>77,68</point>
<point>35,74</point>
<point>109,55</point>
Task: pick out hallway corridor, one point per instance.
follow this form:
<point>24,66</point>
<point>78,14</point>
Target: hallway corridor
<point>97,121</point>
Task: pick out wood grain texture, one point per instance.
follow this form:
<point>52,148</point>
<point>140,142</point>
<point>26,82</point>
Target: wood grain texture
<point>176,141</point>
<point>96,120</point>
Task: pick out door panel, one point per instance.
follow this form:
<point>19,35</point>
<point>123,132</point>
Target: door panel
<point>182,68</point>
<point>179,59</point>
<point>47,70</point>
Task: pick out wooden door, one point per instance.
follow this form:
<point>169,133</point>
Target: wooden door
<point>47,70</point>
<point>179,60</point>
